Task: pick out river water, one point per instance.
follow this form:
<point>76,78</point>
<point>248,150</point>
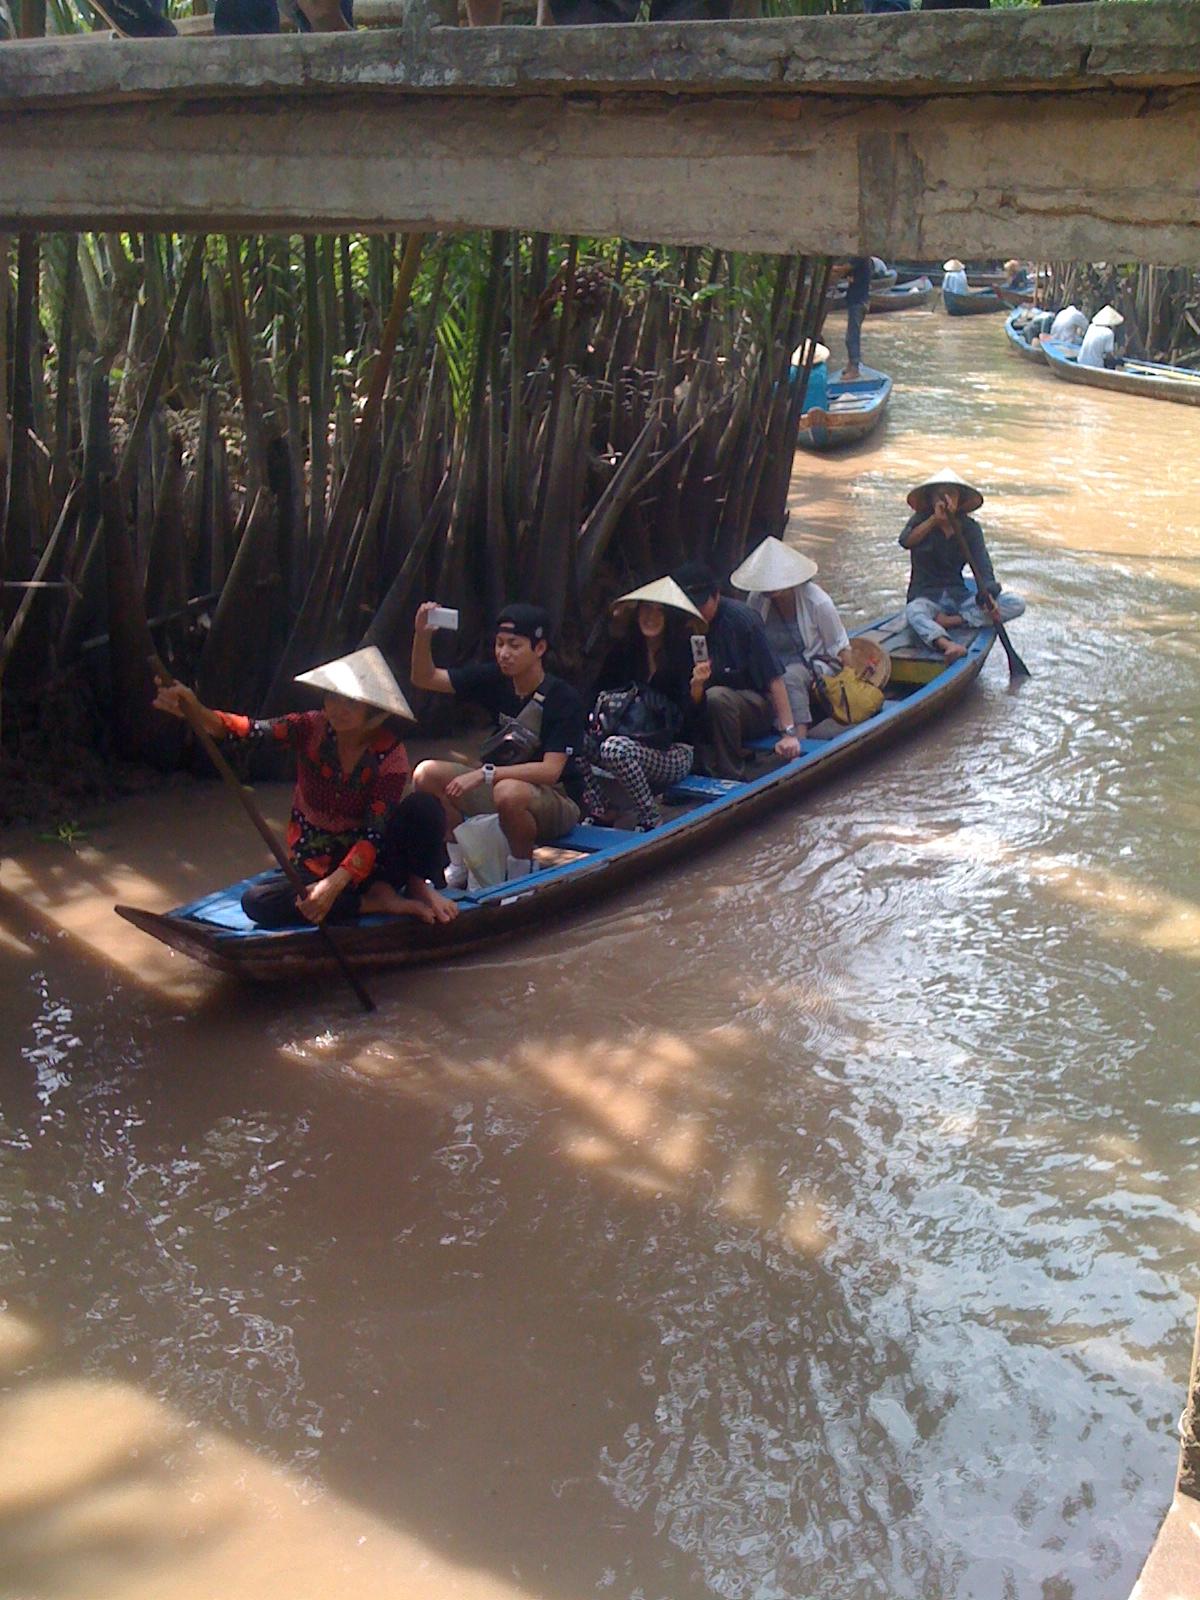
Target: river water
<point>817,1221</point>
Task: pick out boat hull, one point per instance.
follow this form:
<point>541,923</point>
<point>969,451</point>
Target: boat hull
<point>911,296</point>
<point>1150,379</point>
<point>1028,352</point>
<point>977,303</point>
<point>854,410</point>
<point>488,916</point>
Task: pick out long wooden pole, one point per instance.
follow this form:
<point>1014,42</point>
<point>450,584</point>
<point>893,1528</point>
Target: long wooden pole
<point>1016,667</point>
<point>246,800</point>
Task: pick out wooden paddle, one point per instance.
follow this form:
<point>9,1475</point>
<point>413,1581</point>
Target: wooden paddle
<point>248,803</point>
<point>1016,667</point>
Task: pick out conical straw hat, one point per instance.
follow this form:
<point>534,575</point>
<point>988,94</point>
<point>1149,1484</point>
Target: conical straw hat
<point>363,676</point>
<point>919,496</point>
<point>662,592</point>
<point>953,265</point>
<point>773,565</point>
<point>820,353</point>
<point>1108,317</point>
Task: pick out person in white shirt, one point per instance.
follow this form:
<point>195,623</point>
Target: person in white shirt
<point>955,279</point>
<point>802,622</point>
<point>1097,347</point>
<point>1069,326</point>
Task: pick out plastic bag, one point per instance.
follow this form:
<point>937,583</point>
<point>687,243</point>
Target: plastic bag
<point>485,850</point>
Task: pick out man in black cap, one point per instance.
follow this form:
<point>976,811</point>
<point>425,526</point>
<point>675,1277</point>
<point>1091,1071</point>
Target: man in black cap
<point>746,695</point>
<point>534,783</point>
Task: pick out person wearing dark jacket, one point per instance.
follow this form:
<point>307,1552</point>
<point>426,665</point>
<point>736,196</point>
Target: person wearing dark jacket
<point>652,654</point>
<point>938,596</point>
<point>744,692</point>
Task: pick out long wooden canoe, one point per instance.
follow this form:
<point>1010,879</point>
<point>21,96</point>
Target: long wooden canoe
<point>880,283</point>
<point>1018,341</point>
<point>973,303</point>
<point>1014,297</point>
<point>917,293</point>
<point>1153,379</point>
<point>853,410</point>
<point>586,863</point>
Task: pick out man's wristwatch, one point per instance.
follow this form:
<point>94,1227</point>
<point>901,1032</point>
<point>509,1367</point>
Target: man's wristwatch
<point>489,772</point>
<point>789,732</point>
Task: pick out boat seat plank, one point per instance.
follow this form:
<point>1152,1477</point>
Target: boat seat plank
<point>696,787</point>
<point>590,837</point>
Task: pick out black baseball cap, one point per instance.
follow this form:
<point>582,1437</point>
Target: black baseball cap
<point>697,581</point>
<point>531,622</point>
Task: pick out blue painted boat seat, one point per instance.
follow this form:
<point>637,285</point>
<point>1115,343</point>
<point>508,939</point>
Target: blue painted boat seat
<point>694,787</point>
<point>588,837</point>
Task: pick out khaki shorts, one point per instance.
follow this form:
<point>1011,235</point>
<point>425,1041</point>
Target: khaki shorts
<point>554,812</point>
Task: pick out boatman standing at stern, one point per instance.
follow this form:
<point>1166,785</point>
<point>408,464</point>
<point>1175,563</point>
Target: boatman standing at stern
<point>934,536</point>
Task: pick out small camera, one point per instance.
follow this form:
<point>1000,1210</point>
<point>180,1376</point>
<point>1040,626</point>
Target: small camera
<point>444,617</point>
<point>699,648</point>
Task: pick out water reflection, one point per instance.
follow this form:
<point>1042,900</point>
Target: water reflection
<point>820,1221</point>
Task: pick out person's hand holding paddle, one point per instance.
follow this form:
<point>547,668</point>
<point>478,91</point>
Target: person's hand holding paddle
<point>177,700</point>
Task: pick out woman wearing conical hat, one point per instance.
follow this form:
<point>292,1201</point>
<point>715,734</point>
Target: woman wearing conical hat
<point>366,847</point>
<point>938,597</point>
<point>801,620</point>
<point>1097,349</point>
<point>652,653</point>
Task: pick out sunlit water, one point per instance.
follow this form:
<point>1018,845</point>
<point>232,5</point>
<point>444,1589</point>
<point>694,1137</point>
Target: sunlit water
<point>817,1221</point>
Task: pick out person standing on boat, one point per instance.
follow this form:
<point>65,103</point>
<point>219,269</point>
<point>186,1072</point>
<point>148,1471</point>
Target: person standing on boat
<point>1098,342</point>
<point>1069,326</point>
<point>858,302</point>
<point>802,622</point>
<point>367,847</point>
<point>538,795</point>
<point>653,657</point>
<point>938,597</point>
<point>744,694</point>
<point>954,280</point>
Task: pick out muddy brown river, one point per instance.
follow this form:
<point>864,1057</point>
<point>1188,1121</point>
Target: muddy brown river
<point>817,1222</point>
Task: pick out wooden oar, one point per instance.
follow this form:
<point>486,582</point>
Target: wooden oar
<point>266,832</point>
<point>1016,667</point>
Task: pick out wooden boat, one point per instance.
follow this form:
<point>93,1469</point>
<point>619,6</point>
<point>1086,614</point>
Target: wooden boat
<point>917,293</point>
<point>1154,379</point>
<point>973,302</point>
<point>1013,297</point>
<point>1018,341</point>
<point>587,862</point>
<point>836,296</point>
<point>934,271</point>
<point>854,409</point>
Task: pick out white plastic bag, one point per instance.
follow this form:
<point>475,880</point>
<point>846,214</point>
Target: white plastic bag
<point>485,850</point>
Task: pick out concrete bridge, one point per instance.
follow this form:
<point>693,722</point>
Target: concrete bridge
<point>1066,133</point>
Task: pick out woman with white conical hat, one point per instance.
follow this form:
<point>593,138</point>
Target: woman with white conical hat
<point>366,847</point>
<point>1097,349</point>
<point>938,598</point>
<point>645,744</point>
<point>954,277</point>
<point>802,622</point>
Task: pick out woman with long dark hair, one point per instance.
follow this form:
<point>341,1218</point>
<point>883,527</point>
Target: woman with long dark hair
<point>646,694</point>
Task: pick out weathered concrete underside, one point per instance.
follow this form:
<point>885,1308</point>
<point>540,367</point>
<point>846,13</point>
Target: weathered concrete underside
<point>1072,132</point>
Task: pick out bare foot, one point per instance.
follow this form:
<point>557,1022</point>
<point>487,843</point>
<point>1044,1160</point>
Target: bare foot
<point>382,900</point>
<point>952,650</point>
<point>444,910</point>
<point>851,374</point>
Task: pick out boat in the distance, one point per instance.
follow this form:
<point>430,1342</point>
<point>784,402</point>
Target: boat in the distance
<point>1153,379</point>
<point>1016,338</point>
<point>1014,297</point>
<point>589,861</point>
<point>904,297</point>
<point>973,303</point>
<point>852,411</point>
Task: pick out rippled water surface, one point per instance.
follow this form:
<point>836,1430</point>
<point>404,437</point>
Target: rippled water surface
<point>817,1221</point>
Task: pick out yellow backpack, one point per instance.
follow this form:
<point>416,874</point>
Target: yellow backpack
<point>851,698</point>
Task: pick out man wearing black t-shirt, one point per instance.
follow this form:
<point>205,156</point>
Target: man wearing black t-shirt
<point>745,695</point>
<point>537,798</point>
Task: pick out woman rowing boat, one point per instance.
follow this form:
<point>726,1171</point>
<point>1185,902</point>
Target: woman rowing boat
<point>365,846</point>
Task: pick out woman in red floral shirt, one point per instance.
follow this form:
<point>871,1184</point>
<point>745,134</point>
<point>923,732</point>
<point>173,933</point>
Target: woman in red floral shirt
<point>366,847</point>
